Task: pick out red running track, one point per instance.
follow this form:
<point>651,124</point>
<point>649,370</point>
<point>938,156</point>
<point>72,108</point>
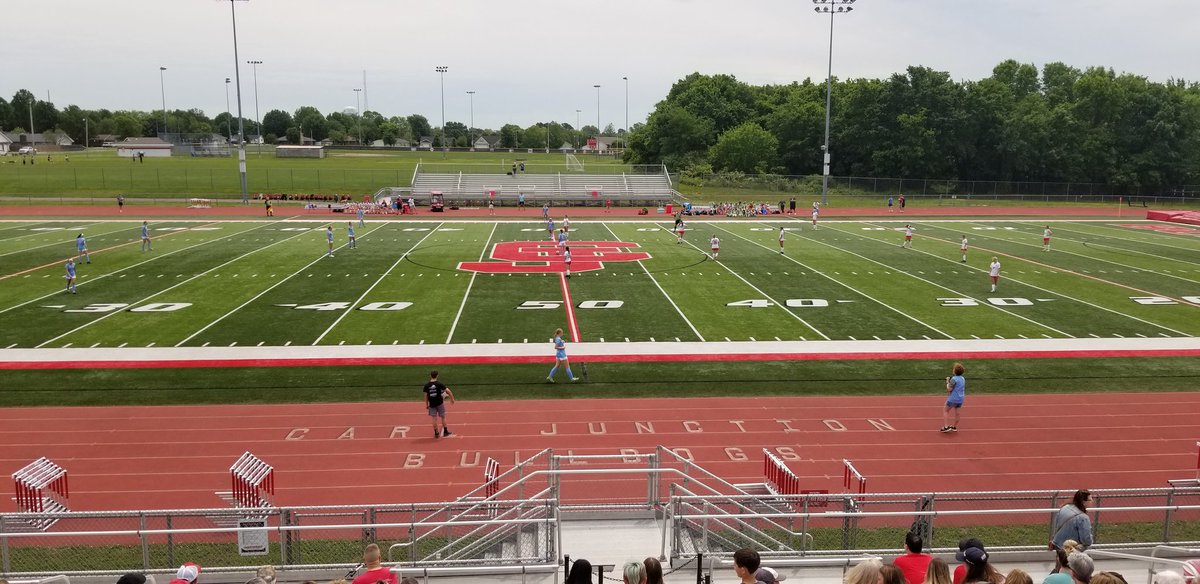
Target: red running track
<point>177,456</point>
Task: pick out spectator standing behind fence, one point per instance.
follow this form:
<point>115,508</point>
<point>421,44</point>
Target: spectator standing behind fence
<point>375,571</point>
<point>913,563</point>
<point>937,572</point>
<point>581,572</point>
<point>1072,521</point>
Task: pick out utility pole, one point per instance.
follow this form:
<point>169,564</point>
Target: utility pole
<point>626,140</point>
<point>471,130</point>
<point>228,116</point>
<point>361,139</point>
<point>830,7</point>
<point>257,119</point>
<point>237,75</point>
<point>598,128</point>
<point>441,69</point>
<point>163,87</point>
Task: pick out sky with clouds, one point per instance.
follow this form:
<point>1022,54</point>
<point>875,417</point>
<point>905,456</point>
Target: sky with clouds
<point>538,60</point>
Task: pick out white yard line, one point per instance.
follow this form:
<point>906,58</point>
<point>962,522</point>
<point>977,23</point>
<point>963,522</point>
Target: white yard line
<point>1059,294</point>
<point>932,283</point>
<point>272,287</point>
<point>156,257</point>
<point>660,289</point>
<point>755,288</point>
<point>67,244</point>
<point>1131,240</point>
<point>847,286</point>
<point>376,283</point>
<point>467,294</point>
<point>168,289</point>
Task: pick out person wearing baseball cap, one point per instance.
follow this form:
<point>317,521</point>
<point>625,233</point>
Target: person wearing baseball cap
<point>960,571</point>
<point>978,567</point>
<point>188,573</point>
<point>769,575</point>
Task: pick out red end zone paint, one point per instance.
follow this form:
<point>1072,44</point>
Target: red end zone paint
<point>570,306</point>
<point>638,358</point>
<point>544,257</point>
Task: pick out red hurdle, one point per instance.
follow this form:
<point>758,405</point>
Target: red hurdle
<point>851,476</point>
<point>491,482</point>
<point>252,481</point>
<point>39,481</point>
<point>778,476</point>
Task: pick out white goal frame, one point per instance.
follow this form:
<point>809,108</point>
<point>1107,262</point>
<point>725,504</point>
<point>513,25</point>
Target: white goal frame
<point>573,163</point>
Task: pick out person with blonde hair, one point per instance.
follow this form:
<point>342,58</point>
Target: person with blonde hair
<point>1168,577</point>
<point>634,573</point>
<point>938,572</point>
<point>865,572</point>
<point>1108,578</point>
<point>1018,576</point>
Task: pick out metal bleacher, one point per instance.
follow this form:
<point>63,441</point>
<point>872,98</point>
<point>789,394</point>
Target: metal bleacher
<point>553,188</point>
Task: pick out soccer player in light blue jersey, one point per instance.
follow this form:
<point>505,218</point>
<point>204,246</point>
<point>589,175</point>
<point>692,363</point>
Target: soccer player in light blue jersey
<point>550,228</point>
<point>562,239</point>
<point>361,222</point>
<point>71,275</point>
<point>329,239</point>
<point>350,234</point>
<point>81,248</point>
<point>146,238</point>
<point>560,357</point>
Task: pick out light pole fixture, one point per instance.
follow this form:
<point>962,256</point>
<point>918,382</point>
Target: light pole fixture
<point>626,78</point>
<point>471,130</point>
<point>163,88</point>
<point>441,69</point>
<point>358,108</point>
<point>577,133</point>
<point>830,7</point>
<point>237,75</point>
<point>597,86</point>
<point>228,116</point>
<point>257,119</point>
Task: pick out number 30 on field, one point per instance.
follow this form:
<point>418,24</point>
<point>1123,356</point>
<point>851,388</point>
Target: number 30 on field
<point>1163,299</point>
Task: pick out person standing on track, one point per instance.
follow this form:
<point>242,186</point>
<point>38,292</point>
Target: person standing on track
<point>120,203</point>
<point>146,238</point>
<point>70,275</point>
<point>329,239</point>
<point>792,206</point>
<point>890,201</point>
<point>521,201</point>
<point>907,236</point>
<point>1046,233</point>
<point>956,386</point>
<point>560,358</point>
<point>901,203</point>
<point>994,272</point>
<point>781,232</point>
<point>81,248</point>
<point>361,221</point>
<point>962,246</point>
<point>436,393</point>
<point>715,244</point>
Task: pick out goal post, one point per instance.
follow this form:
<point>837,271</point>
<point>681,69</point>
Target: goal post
<point>573,163</point>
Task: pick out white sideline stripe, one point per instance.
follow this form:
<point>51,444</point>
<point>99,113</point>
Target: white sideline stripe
<point>755,288</point>
<point>601,349</point>
<point>1082,232</point>
<point>1097,306</point>
<point>1163,234</point>
<point>988,304</point>
<point>272,287</point>
<point>165,290</point>
<point>467,294</point>
<point>373,285</point>
<point>847,286</point>
<point>130,267</point>
<point>65,242</point>
<point>1060,250</point>
<point>660,289</point>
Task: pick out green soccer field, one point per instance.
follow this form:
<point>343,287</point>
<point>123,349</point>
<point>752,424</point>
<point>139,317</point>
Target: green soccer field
<point>259,283</point>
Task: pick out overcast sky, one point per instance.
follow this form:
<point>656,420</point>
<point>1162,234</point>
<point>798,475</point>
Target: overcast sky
<point>537,60</point>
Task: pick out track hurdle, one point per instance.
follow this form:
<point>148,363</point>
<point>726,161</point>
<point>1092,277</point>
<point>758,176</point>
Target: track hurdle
<point>780,479</point>
<point>41,486</point>
<point>491,483</point>
<point>853,477</point>
<point>253,482</point>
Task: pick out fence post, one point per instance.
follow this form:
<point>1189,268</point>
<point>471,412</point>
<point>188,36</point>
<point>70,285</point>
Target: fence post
<point>699,567</point>
<point>652,483</point>
<point>145,541</point>
<point>158,177</point>
<point>1166,537</point>
<point>4,560</point>
<point>170,543</point>
<point>285,541</point>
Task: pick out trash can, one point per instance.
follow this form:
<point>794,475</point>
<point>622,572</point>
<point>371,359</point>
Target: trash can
<point>669,206</point>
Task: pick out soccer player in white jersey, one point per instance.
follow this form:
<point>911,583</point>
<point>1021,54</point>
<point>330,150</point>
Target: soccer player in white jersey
<point>781,241</point>
<point>994,272</point>
<point>567,260</point>
<point>350,234</point>
<point>962,246</point>
<point>1046,233</point>
<point>329,239</point>
<point>907,236</point>
<point>715,244</point>
<point>146,238</point>
<point>679,231</point>
<point>816,210</point>
<point>566,223</point>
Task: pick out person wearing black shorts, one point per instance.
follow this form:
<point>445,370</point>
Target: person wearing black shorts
<point>435,395</point>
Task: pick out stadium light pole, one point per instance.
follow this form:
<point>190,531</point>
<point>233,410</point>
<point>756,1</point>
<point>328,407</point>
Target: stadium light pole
<point>162,86</point>
<point>257,119</point>
<point>471,130</point>
<point>626,78</point>
<point>441,69</point>
<point>237,75</point>
<point>228,117</point>
<point>575,139</point>
<point>358,106</point>
<point>597,86</point>
<point>830,7</point>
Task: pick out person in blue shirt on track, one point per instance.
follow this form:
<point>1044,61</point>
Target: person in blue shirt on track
<point>81,248</point>
<point>956,386</point>
<point>329,239</point>
<point>361,222</point>
<point>560,356</point>
<point>146,238</point>
<point>71,275</point>
<point>350,234</point>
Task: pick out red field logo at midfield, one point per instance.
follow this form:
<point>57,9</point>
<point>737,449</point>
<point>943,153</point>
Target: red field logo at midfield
<point>544,257</point>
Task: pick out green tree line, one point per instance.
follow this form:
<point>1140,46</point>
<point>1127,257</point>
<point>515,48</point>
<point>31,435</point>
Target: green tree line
<point>1019,124</point>
<point>305,121</point>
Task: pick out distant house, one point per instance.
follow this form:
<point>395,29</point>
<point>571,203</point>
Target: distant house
<point>426,143</point>
<point>18,141</point>
<point>600,144</point>
<point>104,139</point>
<point>400,143</point>
<point>566,147</point>
<point>5,143</point>
<point>150,146</point>
<point>486,143</point>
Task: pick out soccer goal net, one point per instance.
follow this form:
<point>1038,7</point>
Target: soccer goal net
<point>573,164</point>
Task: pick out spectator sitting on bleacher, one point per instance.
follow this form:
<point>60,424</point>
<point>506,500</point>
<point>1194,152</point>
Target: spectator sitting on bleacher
<point>581,572</point>
<point>891,574</point>
<point>1018,576</point>
<point>1081,567</point>
<point>1058,574</point>
<point>653,570</point>
<point>937,572</point>
<point>960,571</point>
<point>375,571</point>
<point>864,572</point>
<point>1109,578</point>
<point>913,563</point>
<point>634,573</point>
<point>188,573</point>
<point>768,575</point>
<point>130,578</point>
<point>978,567</point>
<point>1168,577</point>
